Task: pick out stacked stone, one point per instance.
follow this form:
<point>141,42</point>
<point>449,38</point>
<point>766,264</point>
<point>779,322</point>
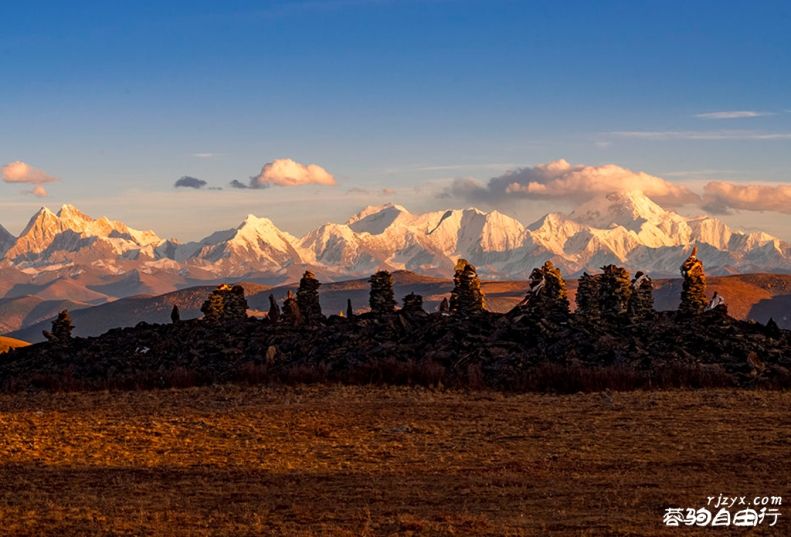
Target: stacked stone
<point>175,314</point>
<point>641,301</point>
<point>291,312</point>
<point>61,329</point>
<point>413,304</point>
<point>466,297</point>
<point>588,307</point>
<point>235,304</point>
<point>225,304</point>
<point>214,306</point>
<point>444,306</point>
<point>274,310</point>
<point>308,298</point>
<point>693,291</point>
<point>381,297</point>
<point>546,296</point>
<point>349,309</point>
<point>615,290</point>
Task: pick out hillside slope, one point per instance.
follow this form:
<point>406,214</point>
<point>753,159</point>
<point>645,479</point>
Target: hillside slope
<point>749,296</point>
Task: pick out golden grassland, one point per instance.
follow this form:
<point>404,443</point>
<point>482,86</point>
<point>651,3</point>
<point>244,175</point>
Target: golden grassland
<point>7,343</point>
<point>383,461</point>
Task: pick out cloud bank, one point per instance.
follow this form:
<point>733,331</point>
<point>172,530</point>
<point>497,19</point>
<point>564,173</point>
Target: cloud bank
<point>189,182</point>
<point>713,135</point>
<point>578,183</point>
<point>732,114</point>
<point>723,197</point>
<point>21,172</point>
<point>286,172</point>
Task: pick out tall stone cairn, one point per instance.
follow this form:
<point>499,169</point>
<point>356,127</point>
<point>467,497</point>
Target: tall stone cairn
<point>546,296</point>
<point>466,297</point>
<point>175,314</point>
<point>641,302</point>
<point>213,308</point>
<point>588,307</point>
<point>236,304</point>
<point>693,291</point>
<point>274,310</point>
<point>225,304</point>
<point>413,304</point>
<point>291,314</point>
<point>381,297</point>
<point>615,290</point>
<point>308,298</point>
<point>61,329</point>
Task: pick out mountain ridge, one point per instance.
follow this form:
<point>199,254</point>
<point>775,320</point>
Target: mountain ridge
<point>625,228</point>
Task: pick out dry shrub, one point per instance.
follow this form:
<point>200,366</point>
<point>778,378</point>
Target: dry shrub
<point>398,372</point>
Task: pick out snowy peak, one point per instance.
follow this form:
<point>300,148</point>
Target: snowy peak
<point>70,213</point>
<point>376,219</point>
<point>627,209</point>
<point>462,232</point>
<point>71,230</point>
<point>256,244</point>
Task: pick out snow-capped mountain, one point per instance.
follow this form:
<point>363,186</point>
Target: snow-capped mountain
<point>625,228</point>
<point>256,245</point>
<point>71,236</point>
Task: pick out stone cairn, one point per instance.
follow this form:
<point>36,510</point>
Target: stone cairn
<point>413,305</point>
<point>349,309</point>
<point>225,304</point>
<point>588,307</point>
<point>291,313</point>
<point>546,295</point>
<point>444,306</point>
<point>466,297</point>
<point>693,291</point>
<point>61,329</point>
<point>308,298</point>
<point>274,310</point>
<point>615,290</point>
<point>641,301</point>
<point>381,297</point>
<point>175,314</point>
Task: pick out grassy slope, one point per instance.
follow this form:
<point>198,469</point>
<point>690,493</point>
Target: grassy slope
<point>11,343</point>
<point>381,461</point>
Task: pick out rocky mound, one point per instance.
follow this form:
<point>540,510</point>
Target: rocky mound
<point>616,341</point>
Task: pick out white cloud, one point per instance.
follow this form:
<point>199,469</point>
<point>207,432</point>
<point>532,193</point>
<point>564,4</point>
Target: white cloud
<point>722,197</point>
<point>732,114</point>
<point>21,172</point>
<point>286,172</point>
<point>561,180</point>
<point>738,134</point>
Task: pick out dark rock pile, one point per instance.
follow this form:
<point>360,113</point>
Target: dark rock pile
<point>308,298</point>
<point>693,292</point>
<point>226,304</point>
<point>538,345</point>
<point>466,298</point>
<point>382,298</point>
<point>61,329</point>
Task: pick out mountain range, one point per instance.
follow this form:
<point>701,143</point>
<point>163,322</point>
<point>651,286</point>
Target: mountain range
<point>69,257</point>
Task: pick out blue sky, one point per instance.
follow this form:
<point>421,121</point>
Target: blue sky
<point>397,99</point>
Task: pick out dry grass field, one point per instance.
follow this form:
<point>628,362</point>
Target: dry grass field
<point>383,461</point>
